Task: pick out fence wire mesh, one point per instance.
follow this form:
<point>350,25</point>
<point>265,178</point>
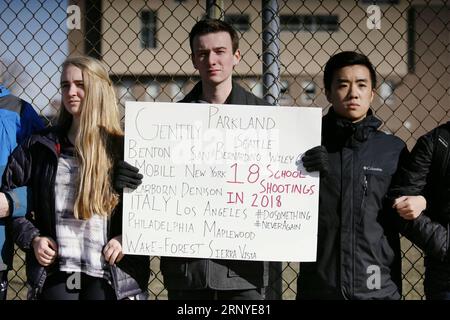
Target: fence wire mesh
<point>145,44</point>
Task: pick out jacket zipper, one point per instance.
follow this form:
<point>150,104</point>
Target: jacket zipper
<point>365,188</point>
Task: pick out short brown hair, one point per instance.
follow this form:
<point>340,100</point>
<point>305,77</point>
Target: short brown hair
<point>213,26</point>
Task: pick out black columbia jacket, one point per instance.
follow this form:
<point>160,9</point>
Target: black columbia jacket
<point>358,253</point>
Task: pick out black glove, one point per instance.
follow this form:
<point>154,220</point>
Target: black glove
<point>316,159</point>
<point>126,176</point>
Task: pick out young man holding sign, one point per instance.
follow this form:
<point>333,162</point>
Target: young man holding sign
<point>358,254</point>
<point>215,52</point>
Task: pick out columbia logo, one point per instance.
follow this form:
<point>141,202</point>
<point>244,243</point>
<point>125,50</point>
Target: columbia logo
<point>369,168</point>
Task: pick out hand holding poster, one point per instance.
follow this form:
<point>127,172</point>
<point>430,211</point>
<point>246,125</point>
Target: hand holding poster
<point>221,182</point>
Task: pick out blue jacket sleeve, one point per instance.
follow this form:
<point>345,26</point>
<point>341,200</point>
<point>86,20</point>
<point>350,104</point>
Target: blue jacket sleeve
<point>20,201</point>
<point>30,123</point>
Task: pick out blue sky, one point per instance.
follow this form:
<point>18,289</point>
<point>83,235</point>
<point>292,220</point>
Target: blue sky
<point>33,44</point>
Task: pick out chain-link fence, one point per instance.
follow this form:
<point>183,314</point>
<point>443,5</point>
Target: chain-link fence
<point>284,44</point>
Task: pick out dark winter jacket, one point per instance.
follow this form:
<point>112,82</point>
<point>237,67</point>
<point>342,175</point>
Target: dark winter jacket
<point>34,164</point>
<point>358,250</point>
<point>190,273</point>
<point>420,174</point>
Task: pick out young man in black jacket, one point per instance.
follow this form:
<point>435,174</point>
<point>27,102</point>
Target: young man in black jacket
<point>215,52</point>
<point>358,251</point>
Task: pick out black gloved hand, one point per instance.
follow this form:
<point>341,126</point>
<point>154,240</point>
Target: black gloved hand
<point>126,176</point>
<point>316,159</point>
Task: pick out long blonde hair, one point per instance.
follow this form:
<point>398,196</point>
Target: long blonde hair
<point>98,132</point>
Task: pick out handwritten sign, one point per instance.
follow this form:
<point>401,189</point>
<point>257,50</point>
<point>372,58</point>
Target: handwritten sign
<point>221,181</point>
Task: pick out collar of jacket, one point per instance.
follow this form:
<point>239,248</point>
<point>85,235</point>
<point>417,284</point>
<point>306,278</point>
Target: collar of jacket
<point>195,95</point>
<point>51,137</point>
<point>343,129</point>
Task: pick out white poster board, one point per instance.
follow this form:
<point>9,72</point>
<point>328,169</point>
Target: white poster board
<point>221,181</point>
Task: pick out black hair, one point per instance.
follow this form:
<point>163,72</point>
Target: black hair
<point>344,59</point>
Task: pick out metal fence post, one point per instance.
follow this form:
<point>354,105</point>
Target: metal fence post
<point>271,50</point>
<point>93,28</point>
<point>271,90</point>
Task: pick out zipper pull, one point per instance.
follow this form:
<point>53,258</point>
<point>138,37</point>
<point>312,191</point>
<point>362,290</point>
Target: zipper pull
<point>365,185</point>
